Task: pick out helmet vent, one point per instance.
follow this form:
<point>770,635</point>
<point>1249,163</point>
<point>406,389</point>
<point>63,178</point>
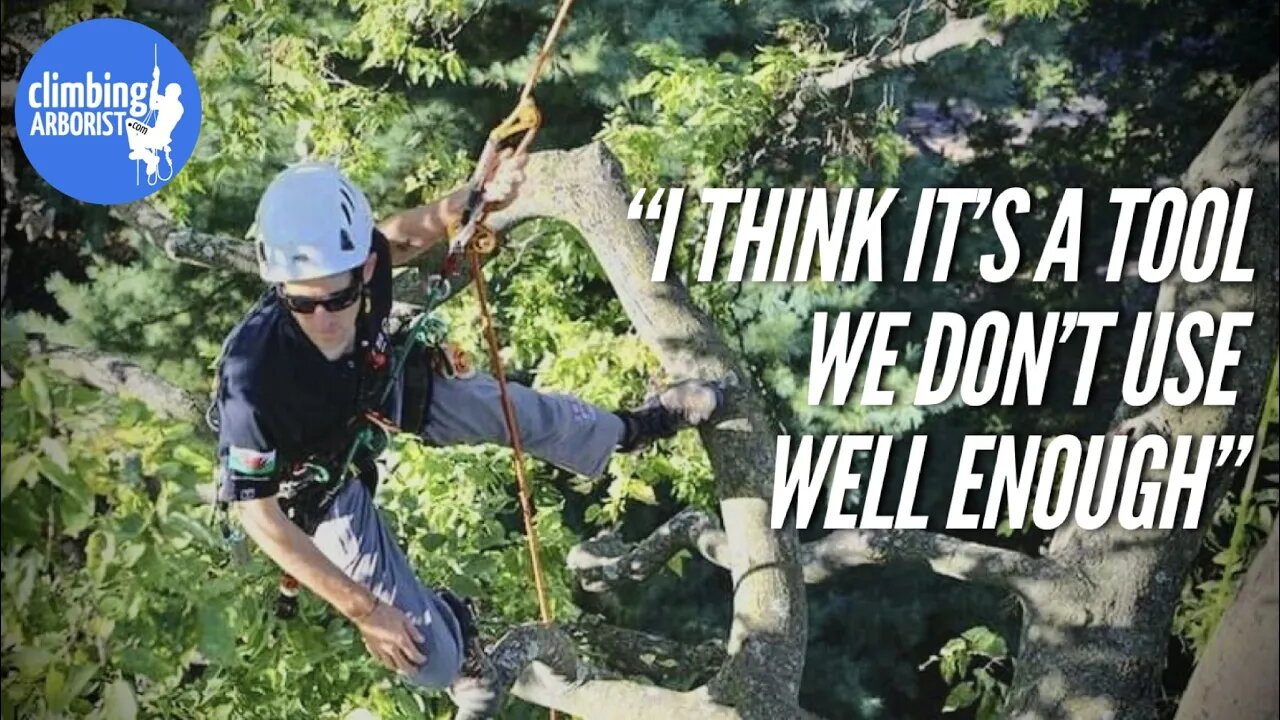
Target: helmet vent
<point>345,238</point>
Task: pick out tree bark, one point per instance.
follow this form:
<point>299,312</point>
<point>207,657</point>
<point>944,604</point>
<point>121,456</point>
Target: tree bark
<point>120,376</point>
<point>1093,641</point>
<point>1236,676</point>
<point>586,188</point>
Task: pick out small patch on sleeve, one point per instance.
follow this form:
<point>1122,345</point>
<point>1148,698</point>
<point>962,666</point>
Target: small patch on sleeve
<point>252,463</point>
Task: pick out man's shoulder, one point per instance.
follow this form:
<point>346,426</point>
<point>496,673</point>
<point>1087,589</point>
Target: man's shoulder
<point>252,349</point>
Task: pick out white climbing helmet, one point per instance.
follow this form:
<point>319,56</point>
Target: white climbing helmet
<point>311,222</point>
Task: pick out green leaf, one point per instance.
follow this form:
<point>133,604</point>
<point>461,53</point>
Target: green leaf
<point>119,702</point>
<point>30,565</point>
<point>142,661</point>
<point>193,528</point>
<point>955,659</point>
<point>75,503</point>
<point>131,552</point>
<point>55,683</point>
<point>35,393</point>
<point>55,450</point>
<point>102,627</point>
<point>78,679</point>
<point>218,15</point>
<point>216,639</point>
<point>989,706</point>
<point>676,562</point>
<point>464,586</point>
<point>99,552</point>
<point>642,492</point>
<point>23,520</point>
<point>30,661</point>
<point>961,696</point>
<point>22,469</point>
<point>984,641</point>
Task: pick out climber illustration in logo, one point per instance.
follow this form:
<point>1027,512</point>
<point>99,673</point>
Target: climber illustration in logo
<point>155,131</point>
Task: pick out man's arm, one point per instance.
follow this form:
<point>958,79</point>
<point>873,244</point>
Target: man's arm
<point>415,231</point>
<point>297,555</point>
<point>388,633</point>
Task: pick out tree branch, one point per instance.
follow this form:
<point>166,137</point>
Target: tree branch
<point>962,32</point>
<point>1242,153</point>
<point>120,376</point>
<point>586,188</point>
<point>662,660</point>
<point>947,555</point>
<point>955,33</point>
<point>605,560</point>
<point>184,244</point>
<point>540,665</point>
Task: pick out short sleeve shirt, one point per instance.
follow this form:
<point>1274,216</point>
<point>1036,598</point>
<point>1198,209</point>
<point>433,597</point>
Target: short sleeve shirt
<point>280,401</point>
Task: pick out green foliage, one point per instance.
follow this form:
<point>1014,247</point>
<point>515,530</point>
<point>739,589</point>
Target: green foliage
<point>1210,590</point>
<point>171,319</point>
<point>690,116</point>
<point>1040,9</point>
<point>116,595</point>
<point>974,665</point>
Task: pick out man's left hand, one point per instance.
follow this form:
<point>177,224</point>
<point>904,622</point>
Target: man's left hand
<point>504,185</point>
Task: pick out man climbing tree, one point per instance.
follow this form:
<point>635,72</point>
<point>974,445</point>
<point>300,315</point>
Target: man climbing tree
<point>303,372</point>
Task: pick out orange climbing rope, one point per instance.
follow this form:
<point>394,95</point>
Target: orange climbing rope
<point>475,238</point>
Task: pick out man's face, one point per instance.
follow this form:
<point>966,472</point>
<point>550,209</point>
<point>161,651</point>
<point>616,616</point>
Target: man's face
<point>332,329</point>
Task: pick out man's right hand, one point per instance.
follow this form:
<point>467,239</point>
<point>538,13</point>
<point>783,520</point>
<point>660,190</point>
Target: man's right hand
<point>388,633</point>
<point>392,638</point>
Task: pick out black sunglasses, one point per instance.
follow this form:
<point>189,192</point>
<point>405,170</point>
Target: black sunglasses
<point>335,302</point>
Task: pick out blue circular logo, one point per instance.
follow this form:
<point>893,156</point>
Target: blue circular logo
<point>108,111</point>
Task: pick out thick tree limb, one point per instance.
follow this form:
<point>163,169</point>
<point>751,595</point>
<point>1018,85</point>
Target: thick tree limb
<point>605,561</point>
<point>120,376</point>
<point>947,555</point>
<point>960,32</point>
<point>1118,614</point>
<point>586,188</point>
<point>541,666</point>
<point>662,660</point>
<point>1236,675</point>
<point>184,244</point>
